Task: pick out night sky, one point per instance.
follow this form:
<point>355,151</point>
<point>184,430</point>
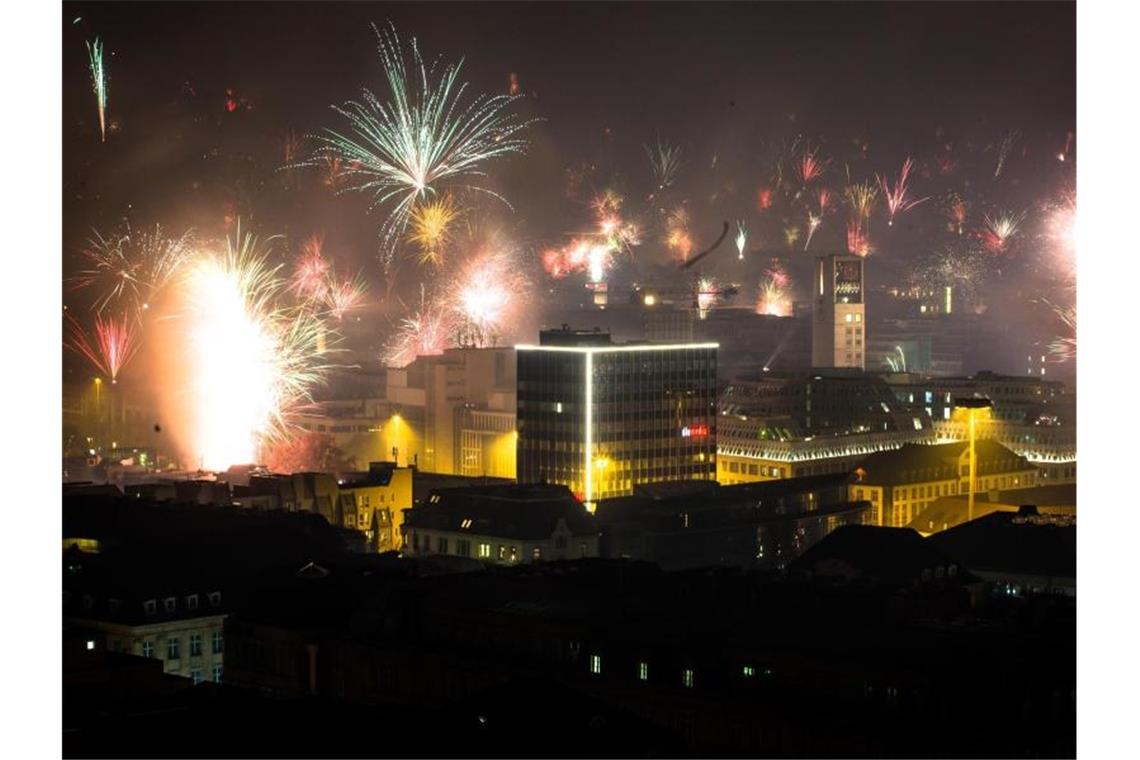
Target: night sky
<point>870,84</point>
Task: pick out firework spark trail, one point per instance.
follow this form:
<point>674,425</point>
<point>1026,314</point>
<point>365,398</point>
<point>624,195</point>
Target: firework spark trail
<point>403,150</point>
<point>664,161</point>
<point>809,166</point>
<point>132,266</point>
<point>1063,348</point>
<point>113,346</point>
<point>431,228</point>
<point>999,229</point>
<point>1003,151</point>
<point>861,197</point>
<point>896,198</point>
<point>677,236</point>
<point>813,223</point>
<point>311,271</point>
<point>741,239</point>
<point>825,200</point>
<point>252,360</point>
<point>99,83</point>
<point>858,241</point>
<point>343,296</point>
<point>897,362</point>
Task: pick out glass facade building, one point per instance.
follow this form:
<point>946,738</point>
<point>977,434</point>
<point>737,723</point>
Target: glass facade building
<point>601,418</point>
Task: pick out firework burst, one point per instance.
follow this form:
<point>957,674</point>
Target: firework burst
<point>343,296</point>
<point>488,291</point>
<point>813,222</point>
<point>311,271</point>
<point>99,83</point>
<point>114,343</point>
<point>402,151</point>
<point>809,167</point>
<point>897,197</point>
<point>999,229</point>
<point>664,162</point>
<point>773,298</point>
<point>425,332</point>
<point>955,213</point>
<point>130,268</point>
<point>741,239</point>
<point>431,228</point>
<point>677,236</point>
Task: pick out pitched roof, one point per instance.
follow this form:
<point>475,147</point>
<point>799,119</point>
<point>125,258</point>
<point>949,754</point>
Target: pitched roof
<point>511,511</point>
<point>890,555</point>
<point>1014,543</point>
<point>916,462</point>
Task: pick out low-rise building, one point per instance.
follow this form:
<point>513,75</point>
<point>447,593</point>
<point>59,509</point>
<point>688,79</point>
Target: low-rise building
<point>701,524</point>
<point>504,525</point>
<point>373,502</point>
<point>902,484</point>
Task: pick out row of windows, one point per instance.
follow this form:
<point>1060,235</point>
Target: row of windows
<point>170,603</point>
<point>752,469</point>
<point>687,674</point>
<point>174,645</point>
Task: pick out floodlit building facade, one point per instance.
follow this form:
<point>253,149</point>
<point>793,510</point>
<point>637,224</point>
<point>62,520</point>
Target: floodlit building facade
<point>601,418</point>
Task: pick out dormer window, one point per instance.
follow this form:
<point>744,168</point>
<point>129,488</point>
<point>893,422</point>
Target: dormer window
<point>169,604</point>
<point>150,606</point>
<point>215,598</point>
<point>466,524</point>
<point>88,601</point>
<point>192,602</point>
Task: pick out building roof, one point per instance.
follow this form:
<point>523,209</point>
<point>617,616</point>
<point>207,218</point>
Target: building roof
<point>948,511</point>
<point>527,512</point>
<point>1024,543</point>
<point>887,555</point>
<point>916,462</point>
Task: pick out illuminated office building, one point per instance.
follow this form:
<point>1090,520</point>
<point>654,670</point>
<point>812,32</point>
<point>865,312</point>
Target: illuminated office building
<point>601,417</point>
<point>838,313</point>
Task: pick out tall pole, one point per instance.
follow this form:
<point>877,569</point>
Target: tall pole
<point>973,469</point>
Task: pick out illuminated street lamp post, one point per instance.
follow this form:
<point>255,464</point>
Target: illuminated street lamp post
<point>972,407</point>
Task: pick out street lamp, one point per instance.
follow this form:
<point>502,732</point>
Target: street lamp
<point>972,406</point>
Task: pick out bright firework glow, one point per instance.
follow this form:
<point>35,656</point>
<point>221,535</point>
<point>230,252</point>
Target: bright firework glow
<point>1063,348</point>
<point>487,293</point>
<point>99,83</point>
<point>400,151</point>
<point>131,266</point>
<point>773,298</point>
<point>896,197</point>
<point>115,343</point>
<point>251,359</point>
<point>431,228</point>
<point>677,236</point>
<point>741,239</point>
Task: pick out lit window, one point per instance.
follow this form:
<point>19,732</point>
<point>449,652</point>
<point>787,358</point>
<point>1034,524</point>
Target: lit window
<point>687,678</point>
<point>945,412</point>
<point>217,674</point>
<point>484,550</point>
<point>217,643</point>
<point>596,664</point>
<point>848,317</point>
<point>148,649</point>
<point>643,671</point>
<point>90,644</point>
<point>749,671</point>
<point>172,645</point>
<point>196,675</point>
<point>536,553</point>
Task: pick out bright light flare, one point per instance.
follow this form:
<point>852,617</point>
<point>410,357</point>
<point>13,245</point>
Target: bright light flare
<point>99,83</point>
<point>999,229</point>
<point>431,228</point>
